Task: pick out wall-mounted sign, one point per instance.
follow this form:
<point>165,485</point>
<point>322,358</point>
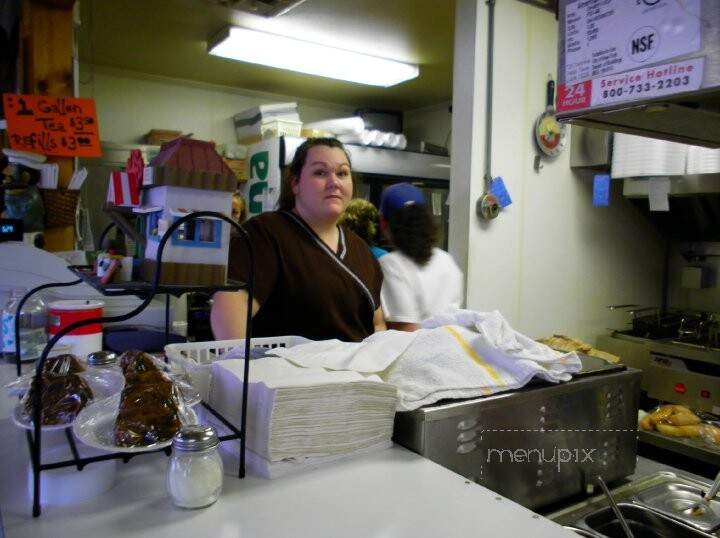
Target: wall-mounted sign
<point>61,126</point>
<point>622,50</point>
<point>611,36</point>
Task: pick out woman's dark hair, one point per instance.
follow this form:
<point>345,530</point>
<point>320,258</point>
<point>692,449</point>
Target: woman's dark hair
<point>414,232</point>
<point>287,196</point>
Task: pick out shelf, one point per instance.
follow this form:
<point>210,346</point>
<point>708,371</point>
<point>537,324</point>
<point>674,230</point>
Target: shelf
<point>123,218</point>
<point>692,448</point>
<point>143,289</point>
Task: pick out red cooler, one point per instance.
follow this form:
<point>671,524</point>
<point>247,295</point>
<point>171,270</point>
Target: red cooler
<point>82,340</point>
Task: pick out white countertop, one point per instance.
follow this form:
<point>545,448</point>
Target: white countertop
<point>392,493</point>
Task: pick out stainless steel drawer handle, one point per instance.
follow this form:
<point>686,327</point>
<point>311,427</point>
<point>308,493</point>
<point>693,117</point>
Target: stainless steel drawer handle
<point>466,436</point>
<point>467,424</point>
<point>466,448</point>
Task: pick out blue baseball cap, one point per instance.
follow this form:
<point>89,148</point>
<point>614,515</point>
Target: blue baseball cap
<point>400,195</point>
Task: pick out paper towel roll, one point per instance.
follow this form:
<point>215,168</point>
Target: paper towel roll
<point>378,138</point>
<point>397,141</point>
<point>375,138</point>
<point>384,139</point>
<point>339,126</point>
<point>363,138</point>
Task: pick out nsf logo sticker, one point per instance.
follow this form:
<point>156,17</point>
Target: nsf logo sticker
<point>643,44</point>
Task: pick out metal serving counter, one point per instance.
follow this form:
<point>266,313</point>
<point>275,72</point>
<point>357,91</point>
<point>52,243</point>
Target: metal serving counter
<point>538,444</point>
<point>389,493</point>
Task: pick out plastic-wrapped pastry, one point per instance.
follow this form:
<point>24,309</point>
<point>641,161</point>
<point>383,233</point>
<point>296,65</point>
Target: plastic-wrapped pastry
<point>62,398</point>
<point>148,411</point>
<point>135,361</point>
<point>139,367</point>
<point>63,364</point>
<point>148,414</point>
<point>149,376</point>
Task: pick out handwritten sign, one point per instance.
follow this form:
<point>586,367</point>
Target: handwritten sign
<point>61,126</point>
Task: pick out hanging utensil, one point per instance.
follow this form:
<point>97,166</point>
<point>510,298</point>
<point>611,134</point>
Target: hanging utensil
<point>615,508</point>
<point>550,134</point>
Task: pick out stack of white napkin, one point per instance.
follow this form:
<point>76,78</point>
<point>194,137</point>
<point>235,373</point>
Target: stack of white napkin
<point>300,416</point>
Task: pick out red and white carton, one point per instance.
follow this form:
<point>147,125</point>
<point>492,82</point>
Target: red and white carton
<point>124,189</point>
<point>83,340</point>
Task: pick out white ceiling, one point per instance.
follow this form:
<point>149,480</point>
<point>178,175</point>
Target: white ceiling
<point>169,38</point>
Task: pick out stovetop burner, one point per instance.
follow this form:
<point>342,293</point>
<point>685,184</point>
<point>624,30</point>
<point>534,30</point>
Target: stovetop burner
<point>699,329</point>
<point>693,329</point>
<point>693,345</point>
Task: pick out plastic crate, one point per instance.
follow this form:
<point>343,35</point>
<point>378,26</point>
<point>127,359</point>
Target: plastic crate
<point>196,358</point>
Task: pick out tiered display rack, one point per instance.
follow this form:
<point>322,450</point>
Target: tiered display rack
<point>146,291</point>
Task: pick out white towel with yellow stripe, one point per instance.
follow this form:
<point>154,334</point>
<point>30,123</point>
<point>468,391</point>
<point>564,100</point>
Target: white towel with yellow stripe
<point>496,332</point>
<point>473,354</point>
<point>453,362</point>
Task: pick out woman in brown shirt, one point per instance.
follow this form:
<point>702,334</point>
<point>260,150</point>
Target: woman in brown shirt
<point>313,277</point>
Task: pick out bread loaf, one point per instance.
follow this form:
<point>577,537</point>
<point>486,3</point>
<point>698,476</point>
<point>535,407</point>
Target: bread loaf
<point>679,431</point>
<point>684,419</point>
<point>673,420</point>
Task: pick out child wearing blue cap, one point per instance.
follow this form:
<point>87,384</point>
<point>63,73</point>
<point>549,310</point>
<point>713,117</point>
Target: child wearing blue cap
<point>419,279</point>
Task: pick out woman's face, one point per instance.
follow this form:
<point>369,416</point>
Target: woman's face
<point>324,188</point>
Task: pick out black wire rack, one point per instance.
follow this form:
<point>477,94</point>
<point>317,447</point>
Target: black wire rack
<point>145,291</point>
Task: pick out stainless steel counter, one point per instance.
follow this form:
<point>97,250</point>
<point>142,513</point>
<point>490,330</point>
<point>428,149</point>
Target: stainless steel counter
<point>391,493</point>
<point>539,444</point>
<point>632,500</point>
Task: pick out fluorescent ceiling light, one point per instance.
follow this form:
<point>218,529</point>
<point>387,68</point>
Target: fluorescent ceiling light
<point>312,58</point>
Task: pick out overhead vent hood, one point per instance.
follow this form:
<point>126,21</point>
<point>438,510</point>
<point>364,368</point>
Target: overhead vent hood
<point>547,5</point>
<point>265,8</point>
<point>693,174</point>
<point>646,67</point>
<point>690,218</point>
<point>693,206</point>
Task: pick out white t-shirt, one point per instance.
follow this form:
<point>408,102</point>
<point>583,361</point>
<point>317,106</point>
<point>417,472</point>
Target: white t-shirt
<point>411,293</point>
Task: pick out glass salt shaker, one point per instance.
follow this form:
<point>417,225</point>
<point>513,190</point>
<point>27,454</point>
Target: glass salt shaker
<point>102,359</point>
<point>195,471</point>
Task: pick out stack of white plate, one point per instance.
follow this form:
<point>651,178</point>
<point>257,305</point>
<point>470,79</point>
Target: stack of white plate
<point>637,156</point>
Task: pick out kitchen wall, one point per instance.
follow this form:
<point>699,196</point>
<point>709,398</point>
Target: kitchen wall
<point>130,104</point>
<point>430,124</point>
<point>705,299</point>
<point>550,262</point>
